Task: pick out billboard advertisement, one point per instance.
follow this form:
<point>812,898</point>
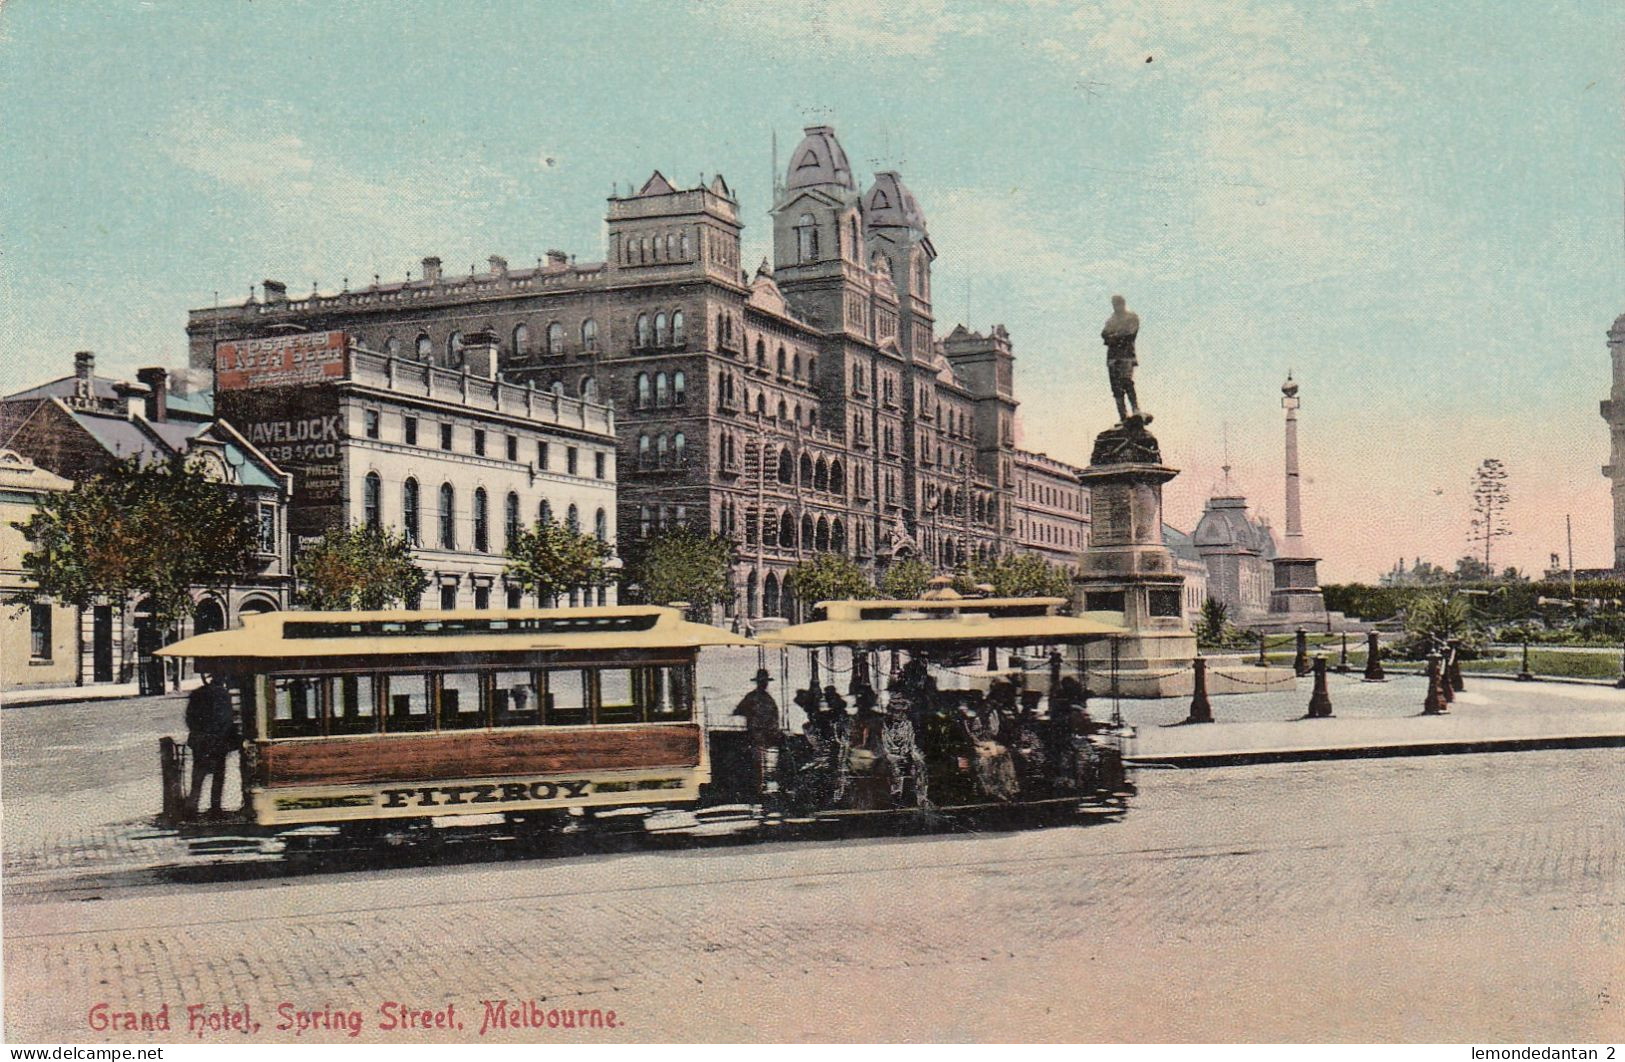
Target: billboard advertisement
<point>301,429</point>
<point>279,361</point>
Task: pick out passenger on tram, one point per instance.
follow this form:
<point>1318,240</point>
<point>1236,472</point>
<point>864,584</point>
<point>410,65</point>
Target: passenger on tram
<point>907,765</point>
<point>866,781</point>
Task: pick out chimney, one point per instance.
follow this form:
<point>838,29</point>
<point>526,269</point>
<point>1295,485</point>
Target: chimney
<point>275,291</point>
<point>499,265</point>
<point>557,260</point>
<point>84,368</point>
<point>480,354</point>
<point>157,381</point>
<point>431,270</point>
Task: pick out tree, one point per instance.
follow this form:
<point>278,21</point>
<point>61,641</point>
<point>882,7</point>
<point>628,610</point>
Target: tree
<point>828,577</point>
<point>156,531</point>
<point>1473,570</point>
<point>1028,575</point>
<point>550,558</point>
<point>681,565</point>
<point>906,579</point>
<point>358,568</point>
<point>1490,501</point>
<point>1210,630</point>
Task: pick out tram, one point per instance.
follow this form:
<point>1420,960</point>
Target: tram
<point>369,720</point>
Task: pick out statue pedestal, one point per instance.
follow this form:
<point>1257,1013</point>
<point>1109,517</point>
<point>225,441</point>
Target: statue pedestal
<point>1297,594</point>
<point>1126,569</point>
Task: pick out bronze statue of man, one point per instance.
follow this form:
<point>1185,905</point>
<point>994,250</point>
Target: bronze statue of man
<point>1119,332</point>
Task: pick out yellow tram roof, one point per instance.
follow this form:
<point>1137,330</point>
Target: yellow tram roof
<point>963,621</point>
<point>428,632</point>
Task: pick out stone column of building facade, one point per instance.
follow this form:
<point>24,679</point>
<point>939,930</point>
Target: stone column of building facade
<point>1127,569</point>
<point>1297,581</point>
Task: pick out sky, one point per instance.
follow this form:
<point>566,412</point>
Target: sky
<point>1414,208</point>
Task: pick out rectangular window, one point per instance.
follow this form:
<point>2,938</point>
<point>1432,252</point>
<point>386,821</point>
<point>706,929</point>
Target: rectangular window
<point>541,455</point>
<point>461,706</point>
<point>515,699</point>
<point>369,421</point>
<point>482,597</point>
<point>445,436</point>
<point>570,460</point>
<point>513,447</point>
<point>409,430</point>
<point>448,597</point>
<point>616,700</point>
<point>39,631</point>
<point>267,529</point>
<point>600,465</point>
<point>479,442</point>
<point>296,707</point>
<point>567,700</point>
<point>353,704</point>
<point>406,702</point>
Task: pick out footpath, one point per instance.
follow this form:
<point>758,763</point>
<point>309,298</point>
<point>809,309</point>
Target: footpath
<point>1376,719</point>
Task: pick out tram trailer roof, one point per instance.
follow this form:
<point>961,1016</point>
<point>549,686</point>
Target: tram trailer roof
<point>953,621</point>
<point>431,632</point>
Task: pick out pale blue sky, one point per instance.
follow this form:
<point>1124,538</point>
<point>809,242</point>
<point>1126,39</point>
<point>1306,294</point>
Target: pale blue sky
<point>1417,207</point>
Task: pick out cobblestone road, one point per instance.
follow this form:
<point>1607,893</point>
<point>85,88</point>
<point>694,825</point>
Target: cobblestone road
<point>1466,897</point>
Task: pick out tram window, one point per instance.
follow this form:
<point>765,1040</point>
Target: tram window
<point>296,707</point>
<point>616,701</point>
<point>567,701</point>
<point>515,699</point>
<point>352,705</point>
<point>674,702</point>
<point>461,707</point>
<point>407,700</point>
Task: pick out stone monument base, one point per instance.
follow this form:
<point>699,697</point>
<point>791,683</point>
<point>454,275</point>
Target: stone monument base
<point>1150,663</point>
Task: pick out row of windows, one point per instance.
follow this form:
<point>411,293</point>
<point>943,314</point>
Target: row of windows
<point>479,444</point>
<point>663,451</point>
<point>789,366</point>
<point>655,518</point>
<point>1050,534</point>
<point>372,506</point>
<point>661,390</point>
<point>452,353</point>
<point>782,530</point>
<point>578,595</point>
<point>416,702</point>
<point>660,331</point>
<point>1053,496</point>
<point>666,247</point>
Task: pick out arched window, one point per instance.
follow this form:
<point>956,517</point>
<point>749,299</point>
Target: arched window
<point>482,525</point>
<point>806,238</point>
<point>662,337</point>
<point>544,511</point>
<point>521,339</point>
<point>600,525</point>
<point>572,518</point>
<point>510,520</point>
<point>588,389</point>
<point>643,451</point>
<point>643,396</point>
<point>837,536</point>
<point>425,346</point>
<point>454,350</point>
<point>787,531</point>
<point>807,534</point>
<point>642,330</point>
<point>787,466</point>
<point>372,492</point>
<point>781,361</point>
<point>679,448</point>
<point>687,250</point>
<point>671,246</point>
<point>662,390</point>
<point>812,368</point>
<point>589,334</point>
<point>761,405</point>
<point>662,450</point>
<point>822,539</point>
<point>678,331</point>
<point>643,249</point>
<point>784,410</point>
<point>770,529</point>
<point>821,475</point>
<point>795,365</point>
<point>448,517</point>
<point>806,470</point>
<point>837,477</point>
<point>679,384</point>
<point>761,352</point>
<point>409,511</point>
<point>555,338</point>
<point>770,595</point>
<point>392,347</point>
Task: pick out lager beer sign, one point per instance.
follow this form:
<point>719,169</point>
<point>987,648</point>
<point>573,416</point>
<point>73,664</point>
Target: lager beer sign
<point>279,361</point>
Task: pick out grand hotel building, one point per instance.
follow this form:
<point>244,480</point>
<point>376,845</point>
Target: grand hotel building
<point>807,405</point>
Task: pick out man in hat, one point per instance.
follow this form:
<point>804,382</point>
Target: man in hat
<point>211,727</point>
<point>761,714</point>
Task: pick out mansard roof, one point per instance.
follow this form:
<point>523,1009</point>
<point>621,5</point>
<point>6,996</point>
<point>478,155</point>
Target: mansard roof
<point>889,203</point>
<point>818,159</point>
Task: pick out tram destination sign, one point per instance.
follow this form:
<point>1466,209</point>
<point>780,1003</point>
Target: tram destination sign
<point>279,361</point>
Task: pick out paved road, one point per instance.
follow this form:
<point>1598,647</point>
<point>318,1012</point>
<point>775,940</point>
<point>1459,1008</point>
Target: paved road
<point>1453,898</point>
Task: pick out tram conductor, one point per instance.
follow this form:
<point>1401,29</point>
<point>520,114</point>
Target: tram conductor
<point>761,715</point>
<point>211,731</point>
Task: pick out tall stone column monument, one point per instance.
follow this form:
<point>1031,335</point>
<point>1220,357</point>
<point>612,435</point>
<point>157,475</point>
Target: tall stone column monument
<point>1125,567</point>
<point>1297,578</point>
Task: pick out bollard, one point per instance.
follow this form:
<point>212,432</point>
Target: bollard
<point>1201,707</point>
<point>1343,658</point>
<point>1524,674</point>
<point>1263,661</point>
<point>1300,660</point>
<point>1447,691</point>
<point>1373,659</point>
<point>1456,684</point>
<point>172,771</point>
<point>1433,703</point>
<point>1320,701</point>
<point>993,658</point>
